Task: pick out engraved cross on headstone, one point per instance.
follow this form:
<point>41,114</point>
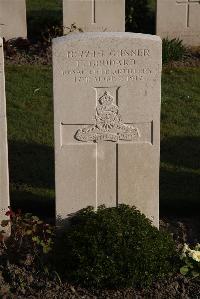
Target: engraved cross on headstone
<point>187,3</point>
<point>94,11</point>
<point>106,136</point>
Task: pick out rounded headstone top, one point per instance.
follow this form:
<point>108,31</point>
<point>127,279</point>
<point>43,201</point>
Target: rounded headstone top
<point>105,35</point>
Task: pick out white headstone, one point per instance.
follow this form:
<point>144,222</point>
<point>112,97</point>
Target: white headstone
<point>179,19</point>
<point>13,19</point>
<point>4,181</point>
<point>94,15</point>
<point>107,89</point>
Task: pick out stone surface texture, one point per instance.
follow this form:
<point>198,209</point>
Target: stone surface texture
<point>13,19</point>
<point>4,180</point>
<point>107,90</point>
<point>179,19</point>
<point>94,15</point>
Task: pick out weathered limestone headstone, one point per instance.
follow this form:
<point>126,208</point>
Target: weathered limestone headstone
<point>179,19</point>
<point>13,19</point>
<point>4,181</point>
<point>94,15</point>
<point>107,121</point>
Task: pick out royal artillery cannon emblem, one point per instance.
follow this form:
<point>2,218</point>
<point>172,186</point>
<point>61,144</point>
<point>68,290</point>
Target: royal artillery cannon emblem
<point>108,124</point>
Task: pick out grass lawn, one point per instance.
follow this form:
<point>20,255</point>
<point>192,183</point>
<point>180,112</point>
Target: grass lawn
<point>43,4</point>
<point>180,141</point>
<point>152,4</point>
<point>30,133</point>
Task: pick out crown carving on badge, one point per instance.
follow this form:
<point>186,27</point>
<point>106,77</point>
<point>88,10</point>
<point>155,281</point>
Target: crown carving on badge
<point>106,99</point>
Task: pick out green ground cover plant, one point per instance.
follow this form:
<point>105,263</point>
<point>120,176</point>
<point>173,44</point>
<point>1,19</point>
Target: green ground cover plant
<point>173,50</point>
<point>114,247</point>
<point>110,247</point>
<point>28,235</point>
<point>30,133</point>
<point>29,260</point>
<point>190,260</point>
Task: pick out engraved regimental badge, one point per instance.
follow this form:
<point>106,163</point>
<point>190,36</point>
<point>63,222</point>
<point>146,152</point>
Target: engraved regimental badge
<point>108,124</point>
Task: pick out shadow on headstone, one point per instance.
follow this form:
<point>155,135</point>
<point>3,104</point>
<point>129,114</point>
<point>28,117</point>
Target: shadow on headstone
<point>31,166</point>
<point>27,202</point>
<point>64,223</point>
<point>180,180</point>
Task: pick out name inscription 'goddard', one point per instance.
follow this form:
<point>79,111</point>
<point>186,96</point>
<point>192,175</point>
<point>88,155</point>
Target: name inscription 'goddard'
<point>108,124</point>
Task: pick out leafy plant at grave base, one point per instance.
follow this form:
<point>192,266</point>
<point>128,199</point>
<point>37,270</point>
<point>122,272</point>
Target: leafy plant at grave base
<point>191,260</point>
<point>49,33</point>
<point>173,50</point>
<point>24,261</point>
<point>13,45</point>
<point>30,237</point>
<point>57,31</point>
<point>114,247</point>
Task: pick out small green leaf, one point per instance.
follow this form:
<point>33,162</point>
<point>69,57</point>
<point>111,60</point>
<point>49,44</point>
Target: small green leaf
<point>48,231</point>
<point>42,243</point>
<point>46,250</point>
<point>184,270</point>
<point>195,273</point>
<point>36,240</point>
<point>35,218</point>
<point>29,232</point>
<point>28,215</point>
<point>189,264</point>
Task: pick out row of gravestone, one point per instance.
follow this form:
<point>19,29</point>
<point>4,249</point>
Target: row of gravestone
<point>107,89</point>
<point>175,18</point>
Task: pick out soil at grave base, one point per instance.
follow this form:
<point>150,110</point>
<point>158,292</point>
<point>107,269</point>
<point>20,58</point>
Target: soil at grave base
<point>22,51</point>
<point>26,282</point>
<point>177,287</point>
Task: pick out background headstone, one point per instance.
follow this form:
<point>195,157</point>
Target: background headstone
<point>94,15</point>
<point>13,19</point>
<point>179,19</point>
<point>107,93</point>
<point>4,181</point>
